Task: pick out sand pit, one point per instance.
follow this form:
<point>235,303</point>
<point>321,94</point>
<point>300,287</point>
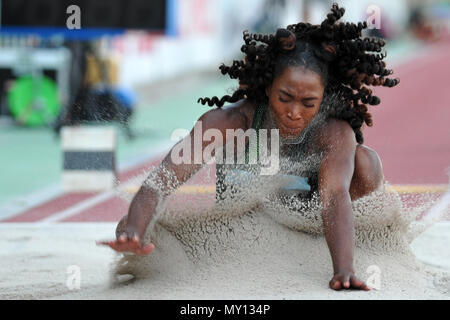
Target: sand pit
<point>249,254</point>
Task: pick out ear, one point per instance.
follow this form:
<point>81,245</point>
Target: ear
<point>243,86</point>
<point>268,90</point>
<point>329,51</point>
<point>329,47</point>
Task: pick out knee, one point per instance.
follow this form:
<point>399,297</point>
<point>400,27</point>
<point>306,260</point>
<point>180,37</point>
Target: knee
<point>368,175</point>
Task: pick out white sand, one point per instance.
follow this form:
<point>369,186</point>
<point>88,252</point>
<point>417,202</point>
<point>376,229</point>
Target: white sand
<point>243,255</point>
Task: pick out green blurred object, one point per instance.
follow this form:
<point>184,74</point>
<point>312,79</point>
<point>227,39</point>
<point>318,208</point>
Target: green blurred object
<point>33,101</point>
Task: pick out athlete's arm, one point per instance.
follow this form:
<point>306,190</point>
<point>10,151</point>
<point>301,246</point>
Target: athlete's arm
<point>338,144</point>
<point>131,229</point>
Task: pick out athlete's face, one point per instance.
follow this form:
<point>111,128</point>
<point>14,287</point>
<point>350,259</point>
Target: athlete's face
<point>294,98</point>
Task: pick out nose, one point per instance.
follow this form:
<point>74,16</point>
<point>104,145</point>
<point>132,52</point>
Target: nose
<point>294,114</point>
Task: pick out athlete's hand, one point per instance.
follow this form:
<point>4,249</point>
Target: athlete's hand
<point>129,243</point>
<point>347,280</point>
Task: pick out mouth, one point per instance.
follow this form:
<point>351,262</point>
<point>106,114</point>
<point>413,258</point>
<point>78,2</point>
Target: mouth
<point>286,128</point>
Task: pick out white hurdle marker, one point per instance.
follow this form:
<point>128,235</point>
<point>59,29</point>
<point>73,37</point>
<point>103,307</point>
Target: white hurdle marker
<point>89,158</point>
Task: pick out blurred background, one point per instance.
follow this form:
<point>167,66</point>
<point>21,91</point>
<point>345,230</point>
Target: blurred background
<point>140,66</point>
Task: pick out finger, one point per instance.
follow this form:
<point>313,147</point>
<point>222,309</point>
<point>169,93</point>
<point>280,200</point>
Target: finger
<point>145,250</point>
<point>359,284</point>
<point>126,247</point>
<point>115,246</point>
<point>139,252</point>
<point>331,283</point>
<point>131,234</point>
<point>148,248</point>
<point>346,282</point>
<point>134,244</point>
<point>123,247</point>
<point>356,282</point>
<point>122,238</point>
<point>335,284</point>
<point>365,287</point>
<point>102,243</point>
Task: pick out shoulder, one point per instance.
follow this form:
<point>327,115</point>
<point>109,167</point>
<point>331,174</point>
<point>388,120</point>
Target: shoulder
<point>237,115</point>
<point>336,134</point>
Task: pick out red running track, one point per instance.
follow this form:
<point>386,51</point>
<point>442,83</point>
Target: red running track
<point>411,130</point>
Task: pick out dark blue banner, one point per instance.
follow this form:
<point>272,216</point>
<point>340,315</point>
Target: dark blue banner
<point>85,19</point>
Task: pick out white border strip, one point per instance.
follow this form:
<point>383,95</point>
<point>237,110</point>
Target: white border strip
<point>438,210</point>
<point>88,138</point>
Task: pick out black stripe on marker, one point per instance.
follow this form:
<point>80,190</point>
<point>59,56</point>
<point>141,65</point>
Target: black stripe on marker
<point>89,160</point>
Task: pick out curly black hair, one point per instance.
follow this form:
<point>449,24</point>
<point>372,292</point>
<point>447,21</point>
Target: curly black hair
<point>347,62</point>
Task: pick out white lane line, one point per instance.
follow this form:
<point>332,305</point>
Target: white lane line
<point>12,209</point>
<point>97,199</point>
<point>25,203</point>
<point>83,205</point>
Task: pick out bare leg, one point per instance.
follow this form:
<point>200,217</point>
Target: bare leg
<point>368,175</point>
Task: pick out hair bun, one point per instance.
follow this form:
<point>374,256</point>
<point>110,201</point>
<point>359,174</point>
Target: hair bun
<point>285,39</point>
